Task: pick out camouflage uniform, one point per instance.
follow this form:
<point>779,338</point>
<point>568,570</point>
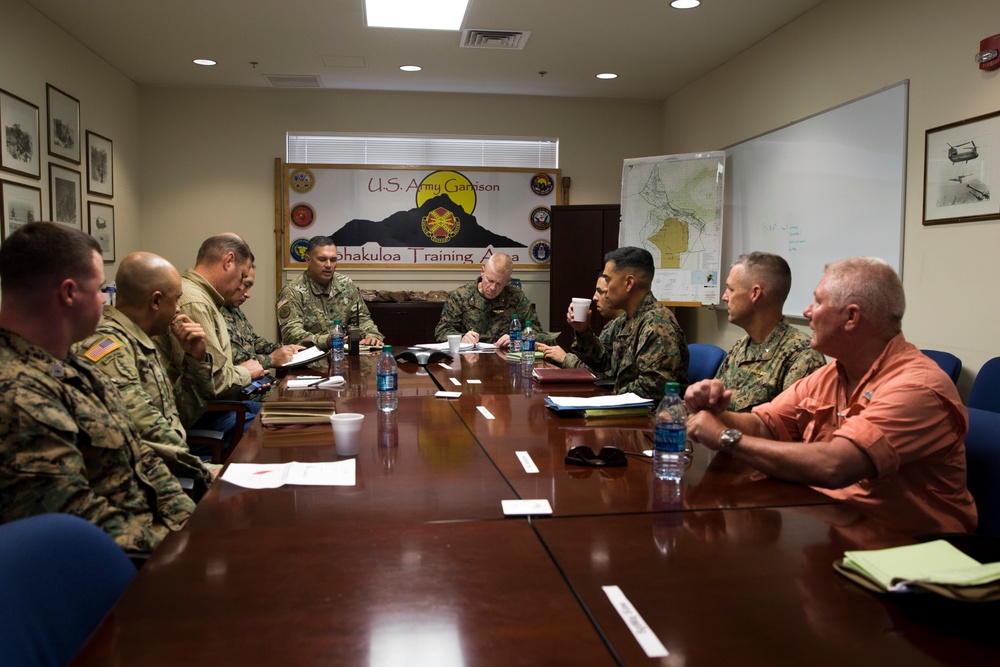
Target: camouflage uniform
<point>468,310</point>
<point>757,372</point>
<point>126,355</point>
<point>245,341</point>
<point>648,350</point>
<point>306,310</point>
<point>203,304</point>
<point>66,445</point>
<point>607,335</point>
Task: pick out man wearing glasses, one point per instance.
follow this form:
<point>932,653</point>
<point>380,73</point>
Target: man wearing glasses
<point>308,305</point>
<point>482,309</point>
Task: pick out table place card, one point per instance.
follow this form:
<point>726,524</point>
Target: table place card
<point>474,381</point>
<point>486,413</point>
<point>445,366</point>
<point>526,507</point>
<point>525,459</point>
<point>447,394</point>
<point>649,642</point>
<point>456,382</point>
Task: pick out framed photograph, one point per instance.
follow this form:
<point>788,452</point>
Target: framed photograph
<point>64,124</point>
<point>19,151</point>
<point>961,164</point>
<point>22,204</point>
<point>100,166</point>
<point>65,196</point>
<point>102,227</point>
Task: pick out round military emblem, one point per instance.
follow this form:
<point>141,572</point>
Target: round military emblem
<point>298,249</point>
<point>541,218</point>
<point>541,251</point>
<point>440,225</point>
<point>542,184</point>
<point>303,215</point>
<point>302,180</point>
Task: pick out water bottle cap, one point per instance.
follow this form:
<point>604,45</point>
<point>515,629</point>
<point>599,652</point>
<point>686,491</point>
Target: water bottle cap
<point>527,323</point>
<point>387,348</point>
<point>672,388</point>
<point>336,322</point>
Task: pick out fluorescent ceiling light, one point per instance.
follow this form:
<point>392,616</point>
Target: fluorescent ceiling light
<point>607,75</point>
<point>685,4</point>
<point>416,14</point>
<point>203,61</point>
<point>410,68</point>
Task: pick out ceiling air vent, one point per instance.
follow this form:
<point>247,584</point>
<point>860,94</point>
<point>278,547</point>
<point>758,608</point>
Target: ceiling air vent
<point>494,39</point>
<point>294,81</point>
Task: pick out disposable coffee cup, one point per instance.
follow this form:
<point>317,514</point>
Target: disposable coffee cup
<point>580,308</point>
<point>454,344</point>
<point>347,432</point>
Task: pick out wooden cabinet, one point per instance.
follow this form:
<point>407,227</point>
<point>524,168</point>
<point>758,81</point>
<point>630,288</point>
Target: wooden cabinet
<point>581,235</point>
<point>406,323</point>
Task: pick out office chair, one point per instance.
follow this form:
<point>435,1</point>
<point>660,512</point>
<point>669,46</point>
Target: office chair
<point>982,456</point>
<point>704,361</point>
<point>60,575</point>
<point>985,393</point>
<point>206,440</point>
<point>948,362</point>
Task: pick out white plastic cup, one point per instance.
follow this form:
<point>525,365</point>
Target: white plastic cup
<point>580,308</point>
<point>347,432</point>
<point>454,344</point>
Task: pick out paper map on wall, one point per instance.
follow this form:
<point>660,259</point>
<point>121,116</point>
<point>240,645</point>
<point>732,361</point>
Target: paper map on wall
<point>672,207</point>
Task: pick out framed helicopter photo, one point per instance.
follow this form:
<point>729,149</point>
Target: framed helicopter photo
<point>961,167</point>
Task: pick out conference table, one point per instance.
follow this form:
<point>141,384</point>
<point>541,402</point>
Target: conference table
<point>416,563</point>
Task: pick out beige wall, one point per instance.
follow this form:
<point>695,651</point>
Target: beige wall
<point>33,52</point>
<point>208,162</point>
<point>841,50</point>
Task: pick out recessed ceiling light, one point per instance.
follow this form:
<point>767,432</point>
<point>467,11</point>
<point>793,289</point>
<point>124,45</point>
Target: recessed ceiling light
<point>607,75</point>
<point>411,68</point>
<point>203,61</point>
<point>416,14</point>
<point>685,4</point>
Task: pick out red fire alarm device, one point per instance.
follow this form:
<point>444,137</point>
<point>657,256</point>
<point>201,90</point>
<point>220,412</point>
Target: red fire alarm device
<point>989,53</point>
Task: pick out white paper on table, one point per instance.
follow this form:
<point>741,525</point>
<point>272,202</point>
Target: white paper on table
<point>643,634</point>
<point>308,354</point>
<point>468,348</point>
<point>318,383</point>
<point>599,401</point>
<point>272,476</point>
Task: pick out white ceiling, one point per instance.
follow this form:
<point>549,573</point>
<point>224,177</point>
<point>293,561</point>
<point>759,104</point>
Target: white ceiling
<point>655,50</point>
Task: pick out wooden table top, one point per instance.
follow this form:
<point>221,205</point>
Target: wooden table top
<point>416,563</point>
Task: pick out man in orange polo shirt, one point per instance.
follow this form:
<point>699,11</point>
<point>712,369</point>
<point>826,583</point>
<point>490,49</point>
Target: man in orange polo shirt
<point>882,428</point>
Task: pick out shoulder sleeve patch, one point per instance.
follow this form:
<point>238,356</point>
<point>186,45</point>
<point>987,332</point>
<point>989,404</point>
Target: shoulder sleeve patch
<point>104,347</point>
<point>283,301</point>
<point>284,312</point>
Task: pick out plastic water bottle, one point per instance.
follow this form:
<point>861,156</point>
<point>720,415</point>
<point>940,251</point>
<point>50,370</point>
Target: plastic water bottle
<point>515,334</point>
<point>337,341</point>
<point>671,434</point>
<point>387,372</point>
<point>527,349</point>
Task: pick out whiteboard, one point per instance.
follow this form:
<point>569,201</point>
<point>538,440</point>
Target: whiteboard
<point>821,189</point>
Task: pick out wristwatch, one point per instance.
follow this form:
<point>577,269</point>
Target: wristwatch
<point>728,438</point>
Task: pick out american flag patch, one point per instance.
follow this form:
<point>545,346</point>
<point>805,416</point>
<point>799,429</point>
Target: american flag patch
<point>282,302</point>
<point>102,349</point>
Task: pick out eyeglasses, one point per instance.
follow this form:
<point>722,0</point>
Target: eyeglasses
<point>608,457</point>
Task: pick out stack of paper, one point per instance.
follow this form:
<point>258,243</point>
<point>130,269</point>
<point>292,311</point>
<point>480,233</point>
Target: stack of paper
<point>622,405</point>
<point>296,412</point>
<point>313,382</point>
<point>936,566</point>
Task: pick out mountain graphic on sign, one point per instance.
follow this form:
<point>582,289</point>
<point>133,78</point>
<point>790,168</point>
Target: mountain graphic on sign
<point>403,229</point>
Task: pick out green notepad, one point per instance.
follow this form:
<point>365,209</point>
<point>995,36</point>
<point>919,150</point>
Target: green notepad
<point>517,355</point>
<point>936,562</point>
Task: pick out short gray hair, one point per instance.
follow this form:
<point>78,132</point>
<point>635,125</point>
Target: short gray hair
<point>870,283</point>
<point>770,271</point>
